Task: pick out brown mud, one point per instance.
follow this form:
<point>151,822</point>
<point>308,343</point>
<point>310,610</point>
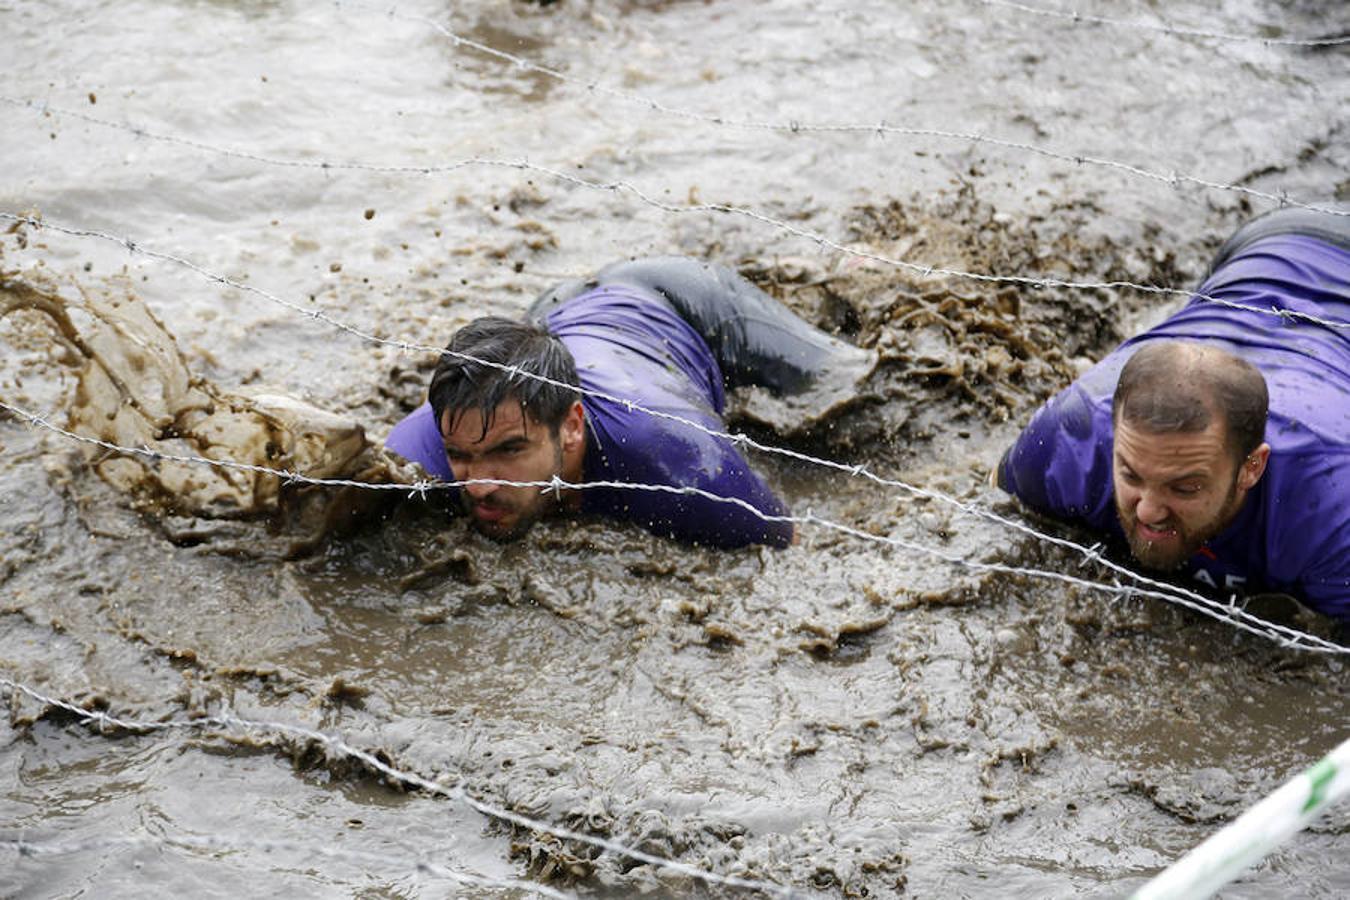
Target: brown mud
<point>955,354</point>
<point>844,718</point>
<point>133,388</point>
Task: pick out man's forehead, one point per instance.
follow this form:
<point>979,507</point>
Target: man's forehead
<point>1170,451</point>
<point>508,420</point>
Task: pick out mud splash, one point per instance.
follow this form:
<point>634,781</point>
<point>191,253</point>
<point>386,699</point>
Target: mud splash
<point>955,354</point>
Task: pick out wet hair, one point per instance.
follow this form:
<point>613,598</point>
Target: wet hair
<point>1176,386</point>
<point>460,384</point>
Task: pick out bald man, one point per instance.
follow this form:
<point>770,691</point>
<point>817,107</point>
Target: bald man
<point>1216,446</point>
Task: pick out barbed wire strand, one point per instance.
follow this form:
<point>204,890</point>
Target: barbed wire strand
<point>1177,31</point>
<point>163,137</point>
<point>625,187</point>
<point>927,271</point>
<point>1176,179</point>
<point>222,843</point>
<point>335,743</point>
<point>741,440</point>
<point>1227,613</point>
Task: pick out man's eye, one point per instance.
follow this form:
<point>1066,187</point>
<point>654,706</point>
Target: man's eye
<point>1187,490</point>
<point>1129,477</point>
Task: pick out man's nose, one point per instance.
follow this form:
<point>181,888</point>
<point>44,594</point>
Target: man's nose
<point>1150,509</point>
<point>475,470</point>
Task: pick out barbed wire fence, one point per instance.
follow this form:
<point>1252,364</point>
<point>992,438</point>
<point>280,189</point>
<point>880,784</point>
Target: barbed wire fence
<point>226,721</point>
<point>1093,554</point>
<point>1228,613</point>
<point>738,439</point>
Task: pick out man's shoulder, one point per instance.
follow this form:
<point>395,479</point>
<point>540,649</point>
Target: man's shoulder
<point>1306,509</point>
<point>617,309</point>
<point>661,429</point>
<point>636,349</point>
<point>417,439</point>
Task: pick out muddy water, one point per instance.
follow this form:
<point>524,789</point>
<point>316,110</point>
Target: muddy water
<point>842,718</point>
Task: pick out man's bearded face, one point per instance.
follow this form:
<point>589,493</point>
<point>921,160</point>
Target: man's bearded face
<point>1174,490</point>
<point>514,447</point>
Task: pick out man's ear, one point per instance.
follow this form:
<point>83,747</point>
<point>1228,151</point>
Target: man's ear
<point>572,432</point>
<point>1253,467</point>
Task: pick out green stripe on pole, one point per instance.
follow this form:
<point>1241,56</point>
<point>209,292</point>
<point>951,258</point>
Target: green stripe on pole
<point>1321,776</point>
<point>1255,833</point>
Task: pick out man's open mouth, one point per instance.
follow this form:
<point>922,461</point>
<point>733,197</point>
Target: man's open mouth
<point>485,513</point>
<point>1154,535</point>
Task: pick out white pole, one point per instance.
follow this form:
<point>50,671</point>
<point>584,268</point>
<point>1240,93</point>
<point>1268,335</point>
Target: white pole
<point>1255,833</point>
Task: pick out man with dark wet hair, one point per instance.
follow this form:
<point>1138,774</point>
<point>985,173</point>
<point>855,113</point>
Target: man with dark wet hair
<point>500,425</point>
<point>1217,444</point>
<point>591,388</point>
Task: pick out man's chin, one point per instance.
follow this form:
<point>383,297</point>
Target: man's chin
<point>1157,558</point>
<point>498,531</point>
<point>503,530</point>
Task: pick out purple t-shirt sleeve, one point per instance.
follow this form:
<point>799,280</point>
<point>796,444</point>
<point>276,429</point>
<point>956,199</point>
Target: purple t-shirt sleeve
<point>417,439</point>
<point>1061,462</point>
<point>1307,541</point>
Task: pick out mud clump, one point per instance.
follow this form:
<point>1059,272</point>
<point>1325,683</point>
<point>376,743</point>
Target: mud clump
<point>954,351</point>
<point>134,390</point>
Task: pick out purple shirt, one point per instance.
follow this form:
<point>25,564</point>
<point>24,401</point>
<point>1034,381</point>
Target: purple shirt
<point>635,348</point>
<point>1293,531</point>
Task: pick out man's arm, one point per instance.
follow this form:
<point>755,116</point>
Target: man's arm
<point>1324,583</point>
<point>1061,462</point>
<point>736,521</point>
<point>734,507</point>
<point>417,439</point>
